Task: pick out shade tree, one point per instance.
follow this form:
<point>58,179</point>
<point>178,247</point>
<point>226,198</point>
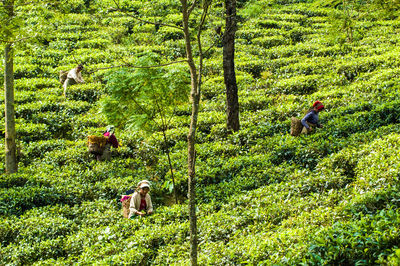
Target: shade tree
<point>144,98</point>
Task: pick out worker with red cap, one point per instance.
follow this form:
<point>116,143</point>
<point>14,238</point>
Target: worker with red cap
<point>311,119</point>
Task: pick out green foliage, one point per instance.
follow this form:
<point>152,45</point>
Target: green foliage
<point>265,197</point>
<point>361,241</point>
<point>19,199</point>
<point>35,84</point>
<point>145,95</point>
<point>11,24</point>
<point>300,84</point>
<point>31,71</point>
<point>251,9</point>
<point>40,148</point>
<point>28,131</point>
<point>85,92</point>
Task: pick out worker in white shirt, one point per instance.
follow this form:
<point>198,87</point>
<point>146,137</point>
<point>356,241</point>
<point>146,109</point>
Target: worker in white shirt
<point>74,76</point>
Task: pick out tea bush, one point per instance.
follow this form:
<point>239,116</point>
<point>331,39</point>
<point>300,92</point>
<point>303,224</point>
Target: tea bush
<point>28,132</point>
<point>40,148</point>
<point>300,84</point>
<point>378,171</point>
<point>264,197</point>
<point>362,241</point>
<point>85,92</point>
<point>19,199</point>
<point>268,42</point>
<point>32,71</point>
<point>34,110</point>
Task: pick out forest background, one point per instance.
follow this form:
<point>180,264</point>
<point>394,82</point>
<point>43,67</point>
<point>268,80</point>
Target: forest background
<point>263,196</point>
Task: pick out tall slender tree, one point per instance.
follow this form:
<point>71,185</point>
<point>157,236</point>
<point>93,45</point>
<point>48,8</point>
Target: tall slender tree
<point>192,38</point>
<point>10,135</point>
<point>195,74</point>
<point>12,32</point>
<point>232,99</point>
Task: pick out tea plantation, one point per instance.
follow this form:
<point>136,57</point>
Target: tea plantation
<point>264,196</point>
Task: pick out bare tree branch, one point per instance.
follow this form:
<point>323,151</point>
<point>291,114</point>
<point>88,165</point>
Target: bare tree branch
<point>14,41</point>
<point>206,5</point>
<point>192,7</point>
<point>142,20</point>
<point>21,4</point>
<point>76,61</point>
<point>130,66</point>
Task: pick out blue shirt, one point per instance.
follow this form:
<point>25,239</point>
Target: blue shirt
<point>311,117</point>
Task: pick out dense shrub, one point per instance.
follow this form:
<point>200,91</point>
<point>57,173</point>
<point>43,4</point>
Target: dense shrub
<point>31,71</point>
<point>40,148</point>
<point>364,240</point>
<point>35,84</point>
<point>299,84</point>
<point>85,92</point>
<point>28,132</point>
<point>19,199</point>
<point>253,67</point>
<point>268,42</point>
<point>213,87</point>
<point>382,115</point>
<point>264,197</point>
<point>34,110</point>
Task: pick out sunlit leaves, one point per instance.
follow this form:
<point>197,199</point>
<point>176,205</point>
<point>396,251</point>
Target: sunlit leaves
<point>145,95</point>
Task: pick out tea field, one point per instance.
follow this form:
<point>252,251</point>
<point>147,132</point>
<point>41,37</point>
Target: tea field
<point>264,196</point>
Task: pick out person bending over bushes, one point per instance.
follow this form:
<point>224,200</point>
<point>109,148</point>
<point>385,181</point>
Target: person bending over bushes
<point>311,119</point>
<point>74,76</point>
<point>100,146</point>
<point>141,204</point>
<point>111,141</point>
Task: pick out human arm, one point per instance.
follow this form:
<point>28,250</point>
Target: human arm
<point>319,124</point>
<point>132,207</point>
<point>79,78</point>
<point>304,120</point>
<point>149,204</point>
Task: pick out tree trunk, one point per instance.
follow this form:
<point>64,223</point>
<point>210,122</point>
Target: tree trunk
<point>195,99</point>
<point>10,146</point>
<point>170,163</point>
<point>232,99</point>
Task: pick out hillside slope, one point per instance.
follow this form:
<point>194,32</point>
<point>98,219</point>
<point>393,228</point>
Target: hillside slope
<point>264,197</point>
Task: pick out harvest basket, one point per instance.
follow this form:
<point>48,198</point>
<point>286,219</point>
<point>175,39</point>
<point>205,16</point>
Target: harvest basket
<point>126,201</point>
<point>63,76</point>
<point>295,127</point>
<point>96,144</point>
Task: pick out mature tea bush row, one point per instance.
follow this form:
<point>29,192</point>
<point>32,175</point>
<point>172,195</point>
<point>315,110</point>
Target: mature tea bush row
<point>264,197</point>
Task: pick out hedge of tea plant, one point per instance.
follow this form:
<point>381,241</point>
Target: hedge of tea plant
<point>264,197</point>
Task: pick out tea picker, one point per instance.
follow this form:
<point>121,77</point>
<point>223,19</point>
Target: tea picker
<point>100,145</point>
<point>311,119</point>
<point>74,76</point>
<point>139,204</point>
<point>111,141</point>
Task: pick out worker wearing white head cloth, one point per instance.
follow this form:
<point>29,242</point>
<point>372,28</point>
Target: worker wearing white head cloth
<point>141,204</point>
<point>74,76</point>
